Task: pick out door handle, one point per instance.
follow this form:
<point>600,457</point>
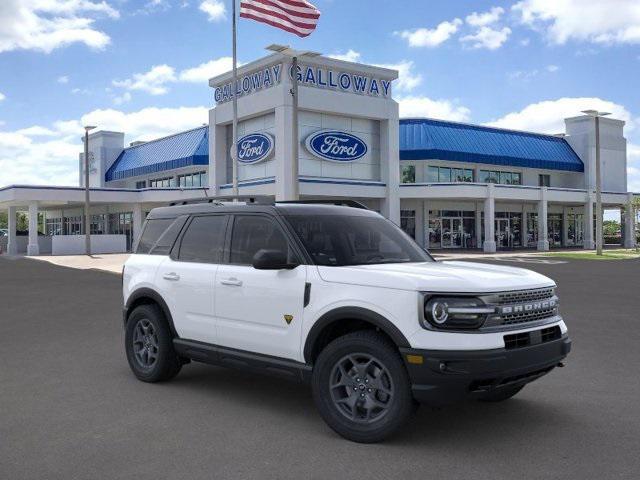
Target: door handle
<point>173,277</point>
<point>233,282</point>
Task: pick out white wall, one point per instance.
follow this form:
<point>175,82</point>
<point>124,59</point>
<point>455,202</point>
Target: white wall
<point>105,147</point>
<point>74,244</point>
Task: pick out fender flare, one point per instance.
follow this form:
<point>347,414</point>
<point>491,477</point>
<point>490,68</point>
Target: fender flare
<point>352,313</point>
<point>157,298</point>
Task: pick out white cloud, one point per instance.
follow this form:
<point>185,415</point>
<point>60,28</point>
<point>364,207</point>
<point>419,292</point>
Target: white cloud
<point>2,96</point>
<point>48,155</point>
<point>424,37</point>
<point>349,56</point>
<point>45,25</point>
<point>526,75</point>
<point>154,81</point>
<point>420,106</point>
<point>595,21</point>
<point>120,99</point>
<point>63,79</point>
<point>548,116</point>
<point>486,18</point>
<point>525,42</point>
<point>552,68</point>
<point>407,78</point>
<point>487,37</point>
<point>203,72</point>
<point>214,9</point>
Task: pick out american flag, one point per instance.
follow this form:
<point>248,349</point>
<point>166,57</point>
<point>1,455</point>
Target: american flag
<point>295,16</point>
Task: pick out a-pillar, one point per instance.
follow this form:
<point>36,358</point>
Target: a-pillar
<point>543,237</point>
<point>629,223</point>
<point>137,223</point>
<point>12,244</point>
<point>489,245</point>
<point>32,247</point>
<point>589,242</point>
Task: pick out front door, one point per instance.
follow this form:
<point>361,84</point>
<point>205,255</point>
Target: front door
<point>259,310</point>
<point>504,238</point>
<point>451,232</point>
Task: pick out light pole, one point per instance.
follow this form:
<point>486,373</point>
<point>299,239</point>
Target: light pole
<point>87,217</point>
<point>596,114</point>
<point>295,146</point>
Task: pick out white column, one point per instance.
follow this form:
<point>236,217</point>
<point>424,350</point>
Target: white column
<point>589,242</point>
<point>565,227</point>
<point>137,223</point>
<point>425,230</point>
<point>543,240</point>
<point>390,167</point>
<point>12,245</point>
<point>489,221</point>
<point>33,248</point>
<point>284,155</point>
<point>629,224</point>
<point>478,226</point>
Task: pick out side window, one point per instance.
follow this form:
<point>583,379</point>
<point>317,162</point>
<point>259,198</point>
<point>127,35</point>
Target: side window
<point>252,233</point>
<point>203,242</point>
<point>168,238</point>
<point>152,232</point>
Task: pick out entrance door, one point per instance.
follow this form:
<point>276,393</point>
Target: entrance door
<point>451,233</point>
<point>504,237</point>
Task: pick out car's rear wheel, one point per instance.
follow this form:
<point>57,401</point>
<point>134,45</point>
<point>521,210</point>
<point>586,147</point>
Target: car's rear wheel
<point>361,387</point>
<point>149,345</point>
<point>501,394</point>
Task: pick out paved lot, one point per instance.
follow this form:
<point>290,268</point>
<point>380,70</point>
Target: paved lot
<point>69,407</point>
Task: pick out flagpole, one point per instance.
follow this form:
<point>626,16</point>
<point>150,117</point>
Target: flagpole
<point>295,194</point>
<point>234,144</point>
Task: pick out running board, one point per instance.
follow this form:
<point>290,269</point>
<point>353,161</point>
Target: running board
<point>242,360</point>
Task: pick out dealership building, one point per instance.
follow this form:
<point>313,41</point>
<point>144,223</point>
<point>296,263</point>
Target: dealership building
<point>448,185</point>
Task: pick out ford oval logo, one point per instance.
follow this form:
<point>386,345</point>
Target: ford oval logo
<point>336,146</point>
<point>255,148</point>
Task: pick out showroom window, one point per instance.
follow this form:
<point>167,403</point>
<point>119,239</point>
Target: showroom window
<point>408,174</point>
<point>448,174</point>
<point>503,178</point>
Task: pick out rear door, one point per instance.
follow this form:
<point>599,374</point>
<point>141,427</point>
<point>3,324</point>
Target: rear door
<point>259,310</point>
<point>187,277</point>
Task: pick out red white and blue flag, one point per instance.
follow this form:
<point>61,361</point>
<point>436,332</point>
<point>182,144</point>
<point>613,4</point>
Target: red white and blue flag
<point>295,16</point>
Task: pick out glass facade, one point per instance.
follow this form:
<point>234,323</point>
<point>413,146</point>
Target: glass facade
<point>575,229</point>
<point>408,174</point>
<point>554,229</point>
<point>198,179</point>
<point>504,178</point>
<point>162,182</point>
<point>408,222</point>
<point>447,175</point>
<point>452,229</point>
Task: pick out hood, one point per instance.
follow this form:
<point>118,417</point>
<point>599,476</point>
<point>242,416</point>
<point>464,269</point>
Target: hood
<point>455,277</point>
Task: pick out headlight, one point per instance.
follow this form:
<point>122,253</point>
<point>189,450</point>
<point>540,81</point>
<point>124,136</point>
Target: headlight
<point>455,312</point>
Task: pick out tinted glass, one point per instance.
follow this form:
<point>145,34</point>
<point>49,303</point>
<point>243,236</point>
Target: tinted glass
<point>203,242</point>
<point>152,232</point>
<point>252,233</point>
<point>167,239</point>
<point>339,240</point>
<point>408,174</point>
<point>432,174</point>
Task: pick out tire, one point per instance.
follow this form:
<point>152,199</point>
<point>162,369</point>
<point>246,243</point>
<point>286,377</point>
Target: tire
<point>368,401</point>
<point>501,395</point>
<point>149,345</point>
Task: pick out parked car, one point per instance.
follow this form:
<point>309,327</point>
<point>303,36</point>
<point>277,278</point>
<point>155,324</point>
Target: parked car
<point>341,298</point>
<point>4,232</point>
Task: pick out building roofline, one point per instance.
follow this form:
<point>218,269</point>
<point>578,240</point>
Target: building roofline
<point>147,142</point>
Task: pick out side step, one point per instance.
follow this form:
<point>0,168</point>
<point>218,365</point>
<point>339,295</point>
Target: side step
<point>242,360</point>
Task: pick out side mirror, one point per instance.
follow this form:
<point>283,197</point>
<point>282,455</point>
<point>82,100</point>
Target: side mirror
<point>271,260</point>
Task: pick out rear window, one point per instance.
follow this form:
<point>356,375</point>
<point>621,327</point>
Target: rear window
<point>159,235</point>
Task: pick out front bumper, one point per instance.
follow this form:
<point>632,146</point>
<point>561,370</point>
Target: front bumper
<point>441,377</point>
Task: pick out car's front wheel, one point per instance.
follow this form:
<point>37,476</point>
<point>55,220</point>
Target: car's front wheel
<point>149,345</point>
<point>361,387</point>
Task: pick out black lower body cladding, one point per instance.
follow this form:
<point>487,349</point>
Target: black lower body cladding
<point>441,377</point>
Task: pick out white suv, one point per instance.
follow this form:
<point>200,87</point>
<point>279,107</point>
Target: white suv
<point>337,296</point>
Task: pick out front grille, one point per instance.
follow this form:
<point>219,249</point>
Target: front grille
<point>519,340</point>
<point>524,296</point>
<point>524,317</point>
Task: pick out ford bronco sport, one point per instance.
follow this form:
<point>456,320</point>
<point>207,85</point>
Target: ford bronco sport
<point>339,297</point>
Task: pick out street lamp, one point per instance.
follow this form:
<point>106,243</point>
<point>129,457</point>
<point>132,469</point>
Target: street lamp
<point>294,55</point>
<point>87,217</point>
<point>596,114</point>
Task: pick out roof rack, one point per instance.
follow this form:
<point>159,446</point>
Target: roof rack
<point>329,201</point>
<point>218,200</point>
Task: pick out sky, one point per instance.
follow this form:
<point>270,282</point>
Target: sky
<point>142,66</point>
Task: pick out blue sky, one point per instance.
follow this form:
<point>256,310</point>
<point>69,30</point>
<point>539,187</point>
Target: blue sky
<point>142,66</point>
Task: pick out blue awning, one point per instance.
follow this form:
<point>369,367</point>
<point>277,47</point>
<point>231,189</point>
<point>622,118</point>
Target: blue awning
<point>427,139</point>
<point>183,149</point>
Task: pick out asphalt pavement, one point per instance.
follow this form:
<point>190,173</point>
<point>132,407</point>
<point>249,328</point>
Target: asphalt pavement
<point>71,409</point>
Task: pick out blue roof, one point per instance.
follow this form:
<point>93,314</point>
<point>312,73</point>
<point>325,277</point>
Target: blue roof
<point>183,149</point>
<point>425,139</point>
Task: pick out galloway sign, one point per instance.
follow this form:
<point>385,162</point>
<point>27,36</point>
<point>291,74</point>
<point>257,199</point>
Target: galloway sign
<point>336,146</point>
<point>248,84</point>
<point>331,79</point>
<point>255,148</point>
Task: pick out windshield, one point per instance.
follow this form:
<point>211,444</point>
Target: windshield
<point>341,240</point>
